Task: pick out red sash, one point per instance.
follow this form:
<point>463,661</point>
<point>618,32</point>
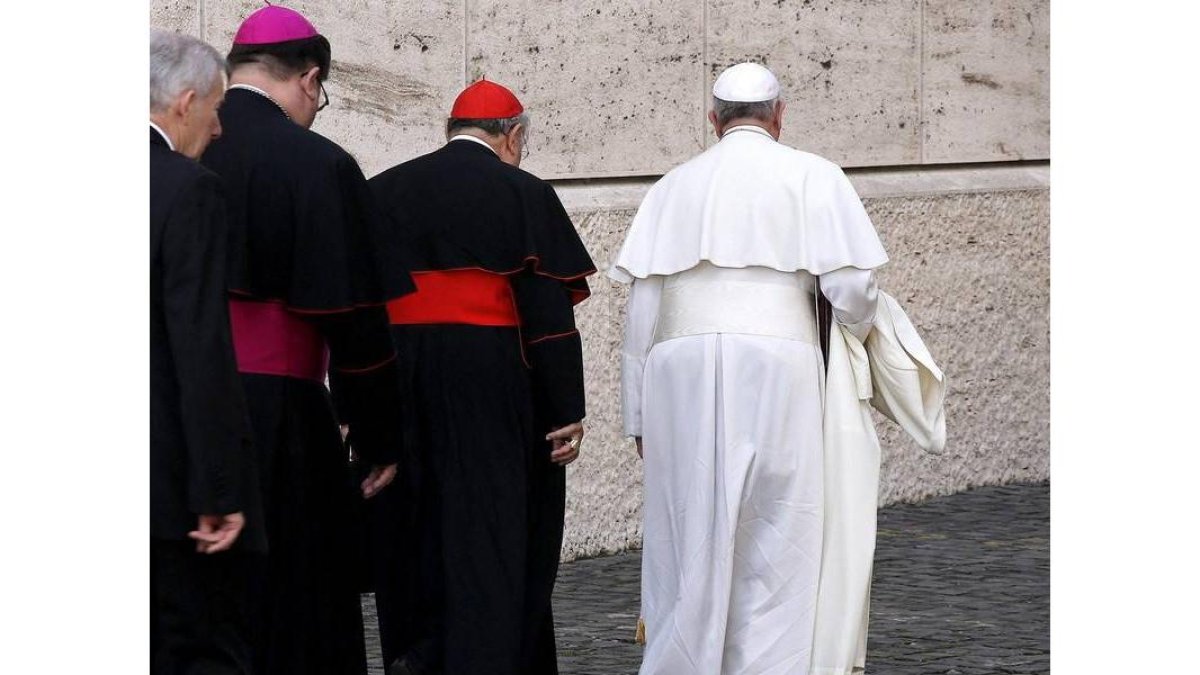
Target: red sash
<point>472,297</point>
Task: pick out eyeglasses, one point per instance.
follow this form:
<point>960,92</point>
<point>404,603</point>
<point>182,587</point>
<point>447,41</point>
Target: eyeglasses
<point>324,96</point>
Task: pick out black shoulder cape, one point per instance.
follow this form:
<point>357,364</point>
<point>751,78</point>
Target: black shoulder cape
<point>304,227</point>
<point>460,207</point>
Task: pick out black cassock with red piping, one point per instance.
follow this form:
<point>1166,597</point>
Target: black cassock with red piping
<point>464,572</point>
<point>308,296</point>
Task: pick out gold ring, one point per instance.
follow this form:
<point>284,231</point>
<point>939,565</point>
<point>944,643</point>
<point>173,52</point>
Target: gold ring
<point>574,443</point>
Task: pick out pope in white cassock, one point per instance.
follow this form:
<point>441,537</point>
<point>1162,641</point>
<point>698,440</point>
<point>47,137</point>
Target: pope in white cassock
<point>723,385</point>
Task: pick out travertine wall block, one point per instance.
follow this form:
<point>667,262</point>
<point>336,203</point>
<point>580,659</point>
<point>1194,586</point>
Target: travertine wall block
<point>850,71</point>
<point>613,85</point>
<point>604,486</point>
<point>987,80</point>
<point>181,16</point>
<point>621,87</point>
<point>973,272</point>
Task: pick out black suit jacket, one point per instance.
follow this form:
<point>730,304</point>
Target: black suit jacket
<point>199,433</point>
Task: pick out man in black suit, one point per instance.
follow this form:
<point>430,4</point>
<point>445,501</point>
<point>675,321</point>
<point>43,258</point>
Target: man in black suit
<point>199,438</point>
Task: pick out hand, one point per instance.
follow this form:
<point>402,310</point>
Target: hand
<point>638,441</point>
<point>565,443</point>
<point>378,479</point>
<point>217,532</point>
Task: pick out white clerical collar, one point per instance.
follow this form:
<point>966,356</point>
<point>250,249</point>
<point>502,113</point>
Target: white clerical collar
<point>163,134</point>
<point>469,137</point>
<point>748,127</point>
<point>260,92</point>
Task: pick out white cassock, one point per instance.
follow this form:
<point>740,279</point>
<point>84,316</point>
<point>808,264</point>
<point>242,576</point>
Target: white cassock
<point>723,379</point>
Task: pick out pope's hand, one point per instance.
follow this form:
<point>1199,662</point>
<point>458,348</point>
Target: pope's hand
<point>565,443</point>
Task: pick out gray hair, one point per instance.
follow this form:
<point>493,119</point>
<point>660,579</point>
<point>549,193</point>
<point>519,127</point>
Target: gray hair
<point>179,63</point>
<point>732,110</point>
<point>496,127</point>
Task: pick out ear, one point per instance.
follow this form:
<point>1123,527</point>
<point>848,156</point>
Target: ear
<point>779,108</point>
<point>310,79</point>
<point>712,117</point>
<point>515,135</point>
<point>185,101</point>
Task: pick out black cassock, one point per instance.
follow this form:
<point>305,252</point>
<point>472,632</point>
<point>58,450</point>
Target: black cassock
<point>308,298</point>
<point>465,570</point>
<point>199,437</point>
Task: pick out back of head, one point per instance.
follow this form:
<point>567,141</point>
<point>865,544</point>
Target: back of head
<point>488,107</point>
<point>179,63</point>
<point>746,92</point>
<point>727,111</point>
<point>285,59</point>
<point>491,110</point>
<point>489,127</point>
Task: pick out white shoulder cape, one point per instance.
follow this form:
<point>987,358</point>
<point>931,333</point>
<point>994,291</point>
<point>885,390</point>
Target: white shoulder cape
<point>749,201</point>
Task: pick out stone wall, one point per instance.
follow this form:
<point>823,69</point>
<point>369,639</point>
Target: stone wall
<point>621,87</point>
<point>894,90</point>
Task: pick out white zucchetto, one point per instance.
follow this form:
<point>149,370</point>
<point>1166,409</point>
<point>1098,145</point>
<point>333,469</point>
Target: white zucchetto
<point>746,83</point>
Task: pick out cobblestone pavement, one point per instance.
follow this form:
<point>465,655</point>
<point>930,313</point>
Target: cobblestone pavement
<point>961,587</point>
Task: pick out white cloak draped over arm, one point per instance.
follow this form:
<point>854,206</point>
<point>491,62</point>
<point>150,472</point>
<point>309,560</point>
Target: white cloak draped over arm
<point>641,314</point>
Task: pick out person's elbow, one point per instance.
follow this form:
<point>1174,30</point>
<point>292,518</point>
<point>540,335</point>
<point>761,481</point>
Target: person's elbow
<point>854,296</point>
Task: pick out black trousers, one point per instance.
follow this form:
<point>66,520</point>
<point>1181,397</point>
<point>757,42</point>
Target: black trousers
<point>198,611</point>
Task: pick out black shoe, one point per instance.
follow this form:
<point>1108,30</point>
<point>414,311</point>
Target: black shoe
<point>401,666</point>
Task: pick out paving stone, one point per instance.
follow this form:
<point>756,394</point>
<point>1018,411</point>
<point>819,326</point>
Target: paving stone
<point>961,587</point>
